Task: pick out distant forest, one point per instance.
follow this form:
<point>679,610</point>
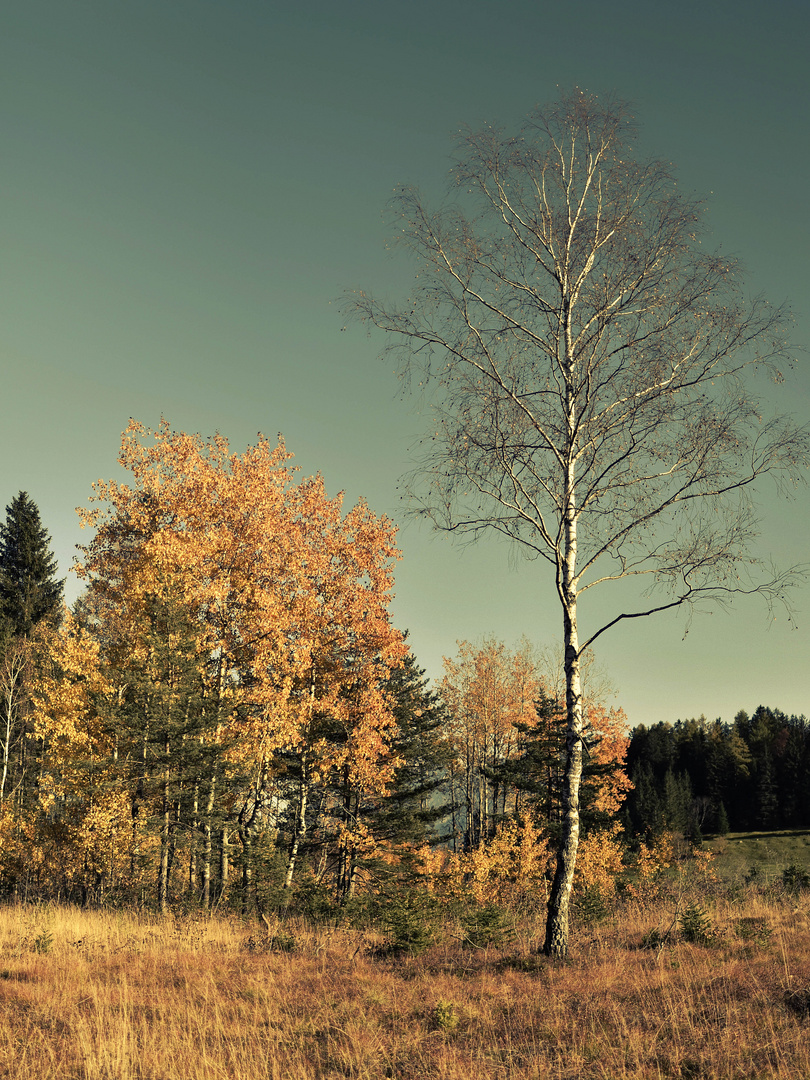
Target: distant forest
<point>698,776</point>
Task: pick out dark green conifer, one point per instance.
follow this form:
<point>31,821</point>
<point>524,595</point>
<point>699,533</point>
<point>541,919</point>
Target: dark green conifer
<point>414,802</point>
<point>29,589</point>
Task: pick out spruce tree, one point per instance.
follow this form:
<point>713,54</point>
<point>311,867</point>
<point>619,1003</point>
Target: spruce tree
<point>29,589</point>
<point>30,594</point>
<point>414,802</point>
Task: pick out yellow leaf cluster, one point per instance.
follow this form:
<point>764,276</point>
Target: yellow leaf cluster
<point>600,861</point>
<point>289,595</point>
<point>512,868</point>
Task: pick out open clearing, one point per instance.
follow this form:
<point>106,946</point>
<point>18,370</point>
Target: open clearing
<point>103,996</point>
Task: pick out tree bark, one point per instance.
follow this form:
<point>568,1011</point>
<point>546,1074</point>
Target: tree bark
<point>556,943</point>
<point>300,823</point>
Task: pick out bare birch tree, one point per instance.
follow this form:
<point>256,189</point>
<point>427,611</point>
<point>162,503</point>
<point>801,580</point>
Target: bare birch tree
<point>588,359</point>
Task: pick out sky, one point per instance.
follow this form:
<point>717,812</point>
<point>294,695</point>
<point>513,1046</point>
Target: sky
<point>190,186</point>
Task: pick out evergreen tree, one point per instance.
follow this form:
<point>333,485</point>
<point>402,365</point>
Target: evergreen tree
<point>722,820</point>
<point>645,810</point>
<point>795,773</point>
<point>414,802</point>
<point>767,801</point>
<point>29,589</point>
<point>536,770</point>
<point>30,596</point>
<point>729,770</point>
<point>678,799</point>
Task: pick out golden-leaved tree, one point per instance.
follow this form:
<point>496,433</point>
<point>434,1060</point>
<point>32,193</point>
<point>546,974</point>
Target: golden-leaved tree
<point>489,691</point>
<point>507,731</point>
<point>243,620</point>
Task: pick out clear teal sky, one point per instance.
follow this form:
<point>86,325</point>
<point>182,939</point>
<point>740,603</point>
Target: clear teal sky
<point>189,186</point>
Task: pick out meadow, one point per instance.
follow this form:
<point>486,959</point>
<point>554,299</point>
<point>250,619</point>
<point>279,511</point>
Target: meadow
<point>716,989</point>
<point>762,855</point>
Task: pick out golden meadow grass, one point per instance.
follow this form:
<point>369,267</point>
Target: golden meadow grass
<point>92,995</point>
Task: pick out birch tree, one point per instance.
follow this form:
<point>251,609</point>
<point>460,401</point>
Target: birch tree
<point>286,596</point>
<point>489,691</point>
<point>588,361</point>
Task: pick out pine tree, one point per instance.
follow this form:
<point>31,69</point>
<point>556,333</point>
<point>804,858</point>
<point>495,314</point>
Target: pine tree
<point>29,589</point>
<point>414,802</point>
<point>30,597</point>
<point>536,770</point>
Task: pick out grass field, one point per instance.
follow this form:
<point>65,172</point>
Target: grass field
<point>103,996</point>
<point>769,853</point>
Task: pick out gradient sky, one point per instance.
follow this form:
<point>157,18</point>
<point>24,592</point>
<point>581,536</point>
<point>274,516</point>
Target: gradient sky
<point>189,186</point>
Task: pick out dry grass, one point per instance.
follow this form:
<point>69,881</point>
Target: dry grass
<point>95,995</point>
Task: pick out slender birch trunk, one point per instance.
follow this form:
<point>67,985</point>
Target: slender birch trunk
<point>556,943</point>
<point>6,742</point>
<point>195,825</point>
<point>300,822</point>
<point>163,873</point>
<point>224,863</point>
<point>206,868</point>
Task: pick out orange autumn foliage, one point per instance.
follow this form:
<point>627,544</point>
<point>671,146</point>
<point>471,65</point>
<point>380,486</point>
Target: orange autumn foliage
<point>490,692</point>
<point>600,861</point>
<point>608,728</point>
<point>511,869</point>
<point>285,598</point>
<point>508,736</point>
<point>79,830</point>
<point>290,596</point>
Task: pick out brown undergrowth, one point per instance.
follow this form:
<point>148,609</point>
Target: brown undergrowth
<point>103,996</point>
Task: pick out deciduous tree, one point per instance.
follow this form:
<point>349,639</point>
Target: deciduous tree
<point>587,357</point>
<point>288,597</point>
<point>490,693</point>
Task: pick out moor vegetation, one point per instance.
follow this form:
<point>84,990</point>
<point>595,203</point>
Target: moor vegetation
<point>712,983</point>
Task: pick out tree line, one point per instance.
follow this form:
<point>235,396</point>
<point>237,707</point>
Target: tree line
<point>697,776</point>
<point>182,736</point>
<point>227,713</point>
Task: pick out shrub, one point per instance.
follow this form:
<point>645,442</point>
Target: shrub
<point>43,942</point>
<point>591,905</point>
<point>311,900</point>
<point>407,918</point>
<point>483,926</point>
<point>795,878</point>
<point>695,925</point>
<point>753,930</point>
<point>445,1016</point>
